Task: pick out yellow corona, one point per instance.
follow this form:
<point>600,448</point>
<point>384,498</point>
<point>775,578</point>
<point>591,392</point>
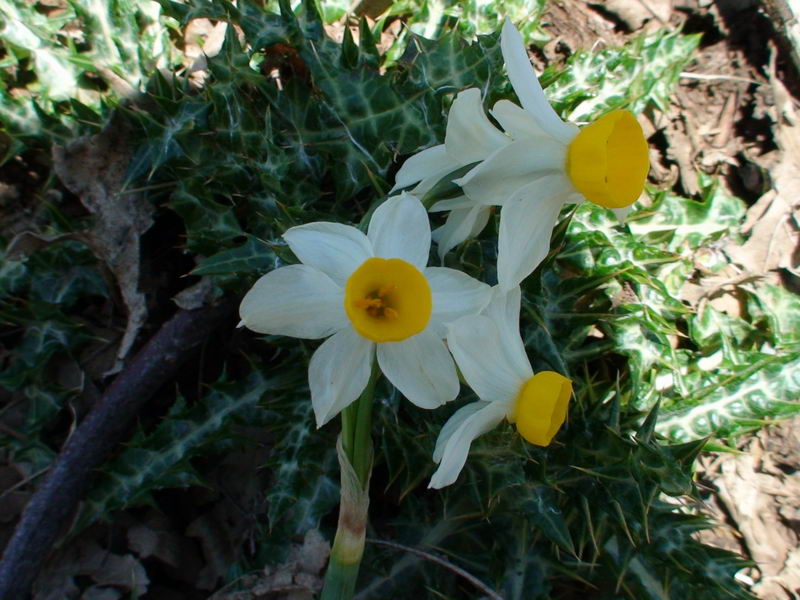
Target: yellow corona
<point>608,160</point>
<point>388,300</point>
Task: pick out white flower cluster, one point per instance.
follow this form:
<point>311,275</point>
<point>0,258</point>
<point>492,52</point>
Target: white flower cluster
<point>374,297</point>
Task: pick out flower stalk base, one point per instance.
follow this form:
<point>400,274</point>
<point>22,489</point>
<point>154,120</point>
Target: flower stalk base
<point>354,450</point>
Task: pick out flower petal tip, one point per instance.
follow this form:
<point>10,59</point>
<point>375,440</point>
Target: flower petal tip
<point>508,27</point>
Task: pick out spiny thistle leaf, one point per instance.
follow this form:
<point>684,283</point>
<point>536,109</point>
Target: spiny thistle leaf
<point>643,71</point>
<point>304,487</point>
<point>122,43</point>
<point>251,257</point>
<point>162,458</point>
<point>740,402</point>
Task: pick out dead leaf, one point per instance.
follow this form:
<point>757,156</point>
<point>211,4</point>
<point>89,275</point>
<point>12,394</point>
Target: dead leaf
<point>124,571</point>
<point>202,40</point>
<point>196,296</point>
<point>773,237</point>
<point>756,489</point>
<point>220,532</point>
<point>101,593</point>
<point>26,243</point>
<point>312,556</point>
<point>631,12</point>
<point>94,169</point>
<point>86,558</point>
<point>773,221</point>
<point>154,537</point>
<point>299,578</point>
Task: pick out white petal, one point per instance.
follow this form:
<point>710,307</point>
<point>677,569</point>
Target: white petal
<point>456,449</point>
<point>480,222</point>
<point>526,224</point>
<point>622,213</point>
<point>452,424</point>
<point>423,165</point>
<point>503,310</point>
<point>460,225</point>
<point>526,84</point>
<point>399,228</point>
<point>455,295</point>
<point>335,249</point>
<point>574,197</point>
<point>501,176</point>
<point>516,121</point>
<point>478,347</point>
<point>421,368</point>
<point>297,301</point>
<point>452,204</point>
<point>470,136</point>
<point>338,373</point>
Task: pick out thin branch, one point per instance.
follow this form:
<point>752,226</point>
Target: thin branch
<point>55,500</point>
<point>442,562</point>
<point>24,482</point>
<point>718,77</point>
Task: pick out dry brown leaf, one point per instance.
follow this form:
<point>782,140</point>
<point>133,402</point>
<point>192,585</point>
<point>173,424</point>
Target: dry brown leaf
<point>144,541</point>
<point>94,168</point>
<point>86,558</point>
<point>757,489</point>
<point>773,221</point>
<point>125,572</point>
<point>635,13</point>
<point>220,531</point>
<point>195,296</point>
<point>202,40</point>
<point>154,537</point>
<point>299,578</point>
<point>773,238</point>
<point>101,593</point>
<point>26,243</point>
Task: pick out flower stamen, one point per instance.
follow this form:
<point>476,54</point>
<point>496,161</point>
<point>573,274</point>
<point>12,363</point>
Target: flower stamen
<point>386,290</point>
<point>376,304</point>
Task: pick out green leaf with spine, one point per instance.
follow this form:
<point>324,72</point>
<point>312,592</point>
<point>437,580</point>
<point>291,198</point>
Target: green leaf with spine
<point>65,81</point>
<point>304,485</point>
<point>640,74</point>
<point>583,515</point>
<point>162,458</point>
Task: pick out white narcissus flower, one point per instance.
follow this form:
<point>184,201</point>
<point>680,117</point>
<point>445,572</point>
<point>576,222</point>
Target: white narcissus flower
<point>373,295</point>
<point>489,351</point>
<point>470,138</point>
<point>546,164</point>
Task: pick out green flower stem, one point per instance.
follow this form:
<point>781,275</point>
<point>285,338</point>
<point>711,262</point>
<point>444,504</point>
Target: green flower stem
<point>354,449</point>
<point>446,189</point>
<point>361,458</point>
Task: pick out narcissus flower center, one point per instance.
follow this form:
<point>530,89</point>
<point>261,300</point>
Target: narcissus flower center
<point>541,406</point>
<point>608,160</point>
<point>388,300</point>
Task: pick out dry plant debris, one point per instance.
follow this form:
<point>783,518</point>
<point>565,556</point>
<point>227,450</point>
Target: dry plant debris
<point>94,169</point>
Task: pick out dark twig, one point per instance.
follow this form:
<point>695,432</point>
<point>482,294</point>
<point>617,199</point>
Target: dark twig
<point>54,501</point>
<point>442,562</point>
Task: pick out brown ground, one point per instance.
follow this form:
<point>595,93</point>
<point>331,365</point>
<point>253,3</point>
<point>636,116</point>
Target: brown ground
<point>732,115</point>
